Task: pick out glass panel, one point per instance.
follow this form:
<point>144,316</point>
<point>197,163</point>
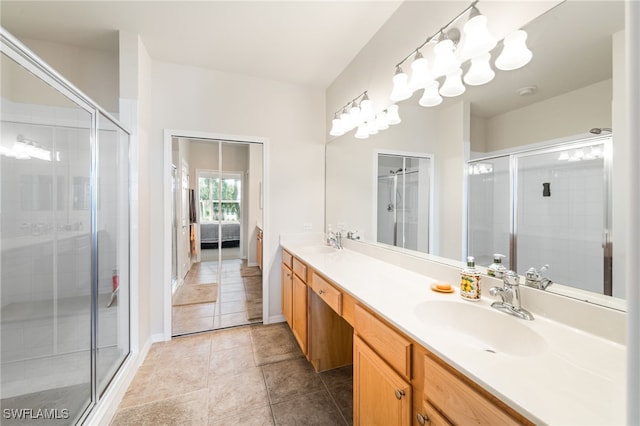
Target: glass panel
<point>113,247</point>
<point>561,215</point>
<point>45,157</point>
<point>489,210</point>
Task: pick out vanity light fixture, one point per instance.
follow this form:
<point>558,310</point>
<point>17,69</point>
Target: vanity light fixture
<point>26,149</point>
<point>359,113</point>
<point>450,51</point>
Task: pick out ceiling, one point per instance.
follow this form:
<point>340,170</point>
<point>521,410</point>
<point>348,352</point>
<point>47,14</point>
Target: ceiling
<point>303,42</point>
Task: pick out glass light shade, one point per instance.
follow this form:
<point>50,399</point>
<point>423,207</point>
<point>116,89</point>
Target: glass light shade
<point>564,156</point>
<point>480,71</point>
<point>401,89</point>
<point>381,121</point>
<point>362,132</point>
<point>420,75</point>
<point>372,129</point>
<point>354,112</point>
<point>445,60</point>
<point>431,97</point>
<point>477,38</point>
<point>453,84</point>
<point>366,108</point>
<point>515,53</point>
<point>392,114</point>
<point>336,127</point>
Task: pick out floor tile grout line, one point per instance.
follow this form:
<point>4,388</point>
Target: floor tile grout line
<point>335,403</point>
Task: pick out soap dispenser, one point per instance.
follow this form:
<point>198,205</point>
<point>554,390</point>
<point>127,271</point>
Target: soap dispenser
<point>497,269</point>
<point>470,281</point>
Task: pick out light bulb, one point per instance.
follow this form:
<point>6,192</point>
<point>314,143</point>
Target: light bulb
<point>477,40</point>
<point>336,126</point>
<point>345,120</point>
<point>515,53</point>
<point>401,90</point>
<point>453,85</point>
<point>419,72</point>
<point>381,121</point>
<point>372,129</point>
<point>354,112</point>
<point>392,114</point>
<point>366,108</point>
<point>480,71</point>
<point>445,60</point>
<point>362,133</point>
<point>431,97</point>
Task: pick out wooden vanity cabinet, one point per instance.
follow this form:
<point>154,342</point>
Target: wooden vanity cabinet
<point>381,373</point>
<point>259,246</point>
<point>300,304</point>
<point>451,398</point>
<point>287,287</point>
<point>380,395</point>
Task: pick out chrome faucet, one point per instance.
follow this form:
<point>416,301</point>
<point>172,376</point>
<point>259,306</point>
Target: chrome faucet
<point>335,239</point>
<point>510,295</point>
<point>534,278</point>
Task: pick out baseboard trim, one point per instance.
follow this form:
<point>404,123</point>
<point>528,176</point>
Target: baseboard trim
<point>106,408</point>
<point>275,319</point>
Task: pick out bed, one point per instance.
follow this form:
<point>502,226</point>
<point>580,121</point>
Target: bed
<point>229,234</point>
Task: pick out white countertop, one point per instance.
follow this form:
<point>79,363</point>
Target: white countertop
<point>576,378</point>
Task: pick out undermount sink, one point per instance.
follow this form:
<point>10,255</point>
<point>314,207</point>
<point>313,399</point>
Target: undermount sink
<point>481,328</point>
<point>319,249</point>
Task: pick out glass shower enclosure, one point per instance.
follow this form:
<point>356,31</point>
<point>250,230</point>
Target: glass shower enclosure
<point>549,206</point>
<point>64,245</point>
<point>403,200</point>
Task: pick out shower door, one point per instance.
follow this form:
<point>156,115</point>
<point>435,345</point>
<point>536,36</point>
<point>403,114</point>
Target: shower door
<point>64,245</point>
<point>403,202</point>
<point>545,207</point>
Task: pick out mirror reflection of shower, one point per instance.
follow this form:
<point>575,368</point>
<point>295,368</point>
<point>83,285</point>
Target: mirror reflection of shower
<point>403,200</point>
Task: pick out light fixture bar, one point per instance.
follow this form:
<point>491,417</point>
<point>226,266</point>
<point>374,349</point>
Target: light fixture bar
<point>438,33</point>
<point>348,104</point>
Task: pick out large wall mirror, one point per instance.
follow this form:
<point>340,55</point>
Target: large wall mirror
<point>574,83</point>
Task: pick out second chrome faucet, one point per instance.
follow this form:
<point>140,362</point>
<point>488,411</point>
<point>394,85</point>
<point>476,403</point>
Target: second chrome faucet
<point>510,297</point>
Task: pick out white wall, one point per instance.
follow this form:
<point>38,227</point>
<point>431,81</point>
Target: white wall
<point>569,114</point>
<point>94,72</point>
<point>254,195</point>
<point>290,116</point>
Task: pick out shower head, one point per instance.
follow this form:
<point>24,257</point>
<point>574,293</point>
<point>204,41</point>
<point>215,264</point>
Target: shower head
<point>598,130</point>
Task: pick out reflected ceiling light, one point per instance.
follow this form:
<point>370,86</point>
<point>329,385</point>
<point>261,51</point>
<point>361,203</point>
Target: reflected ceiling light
<point>362,132</point>
<point>480,71</point>
<point>477,40</point>
<point>515,53</point>
<point>381,120</point>
<point>359,112</point>
<point>564,156</point>
<point>453,85</point>
<point>392,114</point>
<point>401,89</point>
<point>431,97</point>
<point>450,49</point>
<point>336,126</point>
<point>420,75</point>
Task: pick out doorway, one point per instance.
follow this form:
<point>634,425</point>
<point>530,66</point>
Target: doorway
<point>219,281</point>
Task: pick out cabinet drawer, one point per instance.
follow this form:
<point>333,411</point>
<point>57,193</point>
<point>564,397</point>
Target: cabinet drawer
<point>395,349</point>
<point>431,417</point>
<point>287,259</point>
<point>460,402</point>
<point>331,295</point>
<point>300,269</point>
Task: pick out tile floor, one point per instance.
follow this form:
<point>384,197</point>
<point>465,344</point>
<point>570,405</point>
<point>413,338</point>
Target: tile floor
<point>230,309</point>
<point>251,375</point>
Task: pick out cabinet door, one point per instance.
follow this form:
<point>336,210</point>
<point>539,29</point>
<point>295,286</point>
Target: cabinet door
<point>287,294</point>
<point>259,251</point>
<point>381,396</point>
<point>299,327</point>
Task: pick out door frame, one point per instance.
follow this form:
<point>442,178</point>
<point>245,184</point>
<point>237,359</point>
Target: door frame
<point>169,134</point>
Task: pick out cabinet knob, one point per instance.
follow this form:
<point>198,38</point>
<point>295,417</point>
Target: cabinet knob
<point>321,292</point>
<point>399,394</point>
<point>423,419</point>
